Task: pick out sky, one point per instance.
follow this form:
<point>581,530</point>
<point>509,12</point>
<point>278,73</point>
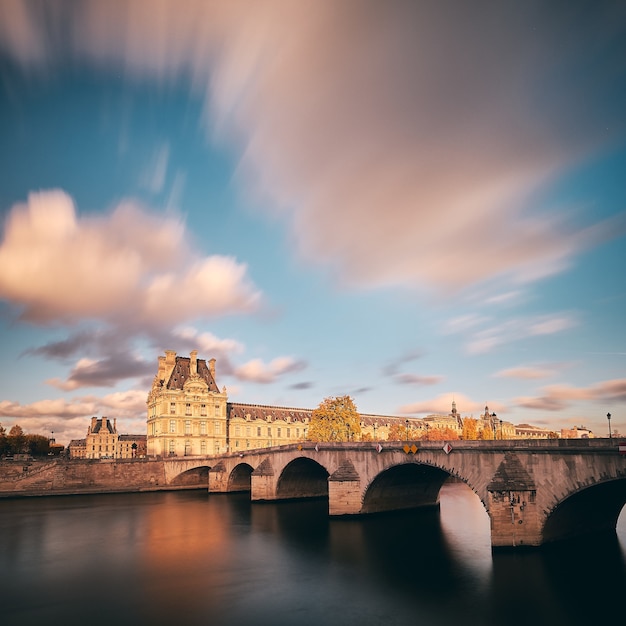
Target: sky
<point>407,202</point>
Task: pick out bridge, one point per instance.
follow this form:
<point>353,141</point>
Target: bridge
<point>535,492</point>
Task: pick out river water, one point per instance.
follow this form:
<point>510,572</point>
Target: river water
<point>189,558</point>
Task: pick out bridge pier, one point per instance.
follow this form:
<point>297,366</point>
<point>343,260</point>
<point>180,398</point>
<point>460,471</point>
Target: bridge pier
<point>344,490</point>
<point>514,519</point>
<point>263,483</point>
<point>218,479</point>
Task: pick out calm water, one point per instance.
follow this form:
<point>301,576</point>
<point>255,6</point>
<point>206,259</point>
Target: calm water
<point>187,558</point>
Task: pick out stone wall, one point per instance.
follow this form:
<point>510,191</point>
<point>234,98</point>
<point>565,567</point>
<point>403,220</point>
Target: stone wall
<point>63,476</point>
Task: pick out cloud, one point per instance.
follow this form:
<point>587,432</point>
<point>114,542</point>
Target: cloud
<point>405,148</point>
<point>129,267</point>
<point>414,379</point>
<point>154,176</point>
<point>106,372</point>
<point>559,397</point>
<point>525,373</point>
<point>517,329</point>
<point>442,405</point>
<point>259,372</point>
<point>69,419</point>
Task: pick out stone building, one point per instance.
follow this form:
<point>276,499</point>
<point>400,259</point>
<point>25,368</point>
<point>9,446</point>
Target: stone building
<point>189,415</point>
<point>104,442</point>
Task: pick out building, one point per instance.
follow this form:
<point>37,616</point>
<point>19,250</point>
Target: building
<point>104,442</point>
<point>189,415</point>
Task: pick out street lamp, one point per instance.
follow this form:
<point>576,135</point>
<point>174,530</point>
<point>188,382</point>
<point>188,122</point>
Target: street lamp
<point>374,431</point>
<point>608,416</point>
<point>501,436</point>
<point>407,430</point>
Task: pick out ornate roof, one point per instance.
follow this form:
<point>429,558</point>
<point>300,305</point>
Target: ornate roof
<point>182,373</point>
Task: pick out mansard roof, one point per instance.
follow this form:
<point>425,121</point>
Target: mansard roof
<point>107,426</point>
<point>182,371</point>
<point>261,411</point>
<point>132,438</point>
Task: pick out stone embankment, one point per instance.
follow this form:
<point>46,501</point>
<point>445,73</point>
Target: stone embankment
<point>82,476</point>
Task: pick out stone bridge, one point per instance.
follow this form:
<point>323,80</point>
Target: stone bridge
<point>534,492</point>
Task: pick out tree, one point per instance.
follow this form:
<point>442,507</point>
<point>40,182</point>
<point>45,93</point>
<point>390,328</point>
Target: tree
<point>4,443</point>
<point>486,433</point>
<point>16,438</point>
<point>37,445</point>
<point>470,428</point>
<point>399,431</point>
<point>335,419</point>
<point>440,433</point>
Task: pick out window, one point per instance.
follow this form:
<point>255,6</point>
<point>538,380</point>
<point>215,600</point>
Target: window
<point>237,431</point>
<point>172,408</point>
<point>248,429</point>
<point>217,410</point>
<point>216,447</point>
<point>203,447</point>
<point>289,432</point>
<point>217,428</point>
<point>258,431</point>
<point>187,447</point>
<point>172,446</point>
<point>203,409</point>
<point>269,431</point>
<point>188,408</point>
<point>187,427</point>
<point>297,433</point>
<point>279,431</point>
<point>203,428</point>
<point>172,426</point>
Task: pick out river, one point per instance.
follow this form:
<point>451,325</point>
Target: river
<point>191,559</point>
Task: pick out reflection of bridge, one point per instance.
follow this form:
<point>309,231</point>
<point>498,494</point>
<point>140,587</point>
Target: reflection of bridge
<point>534,491</point>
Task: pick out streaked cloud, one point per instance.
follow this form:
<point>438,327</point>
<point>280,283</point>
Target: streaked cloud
<point>526,373</point>
<point>128,267</point>
<point>259,372</point>
<point>560,397</point>
<point>442,405</point>
<point>445,116</point>
<point>415,379</point>
<point>517,329</point>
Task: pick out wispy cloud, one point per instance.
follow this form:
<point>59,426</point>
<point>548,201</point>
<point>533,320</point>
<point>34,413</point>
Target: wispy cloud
<point>399,98</point>
<point>559,397</point>
<point>259,372</point>
<point>526,373</point>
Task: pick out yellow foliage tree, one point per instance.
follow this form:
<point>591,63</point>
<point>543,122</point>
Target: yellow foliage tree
<point>335,419</point>
<point>400,432</point>
<point>442,433</point>
<point>470,428</point>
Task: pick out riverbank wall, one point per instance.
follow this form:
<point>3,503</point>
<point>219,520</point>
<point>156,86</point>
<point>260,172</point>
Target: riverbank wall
<point>84,476</point>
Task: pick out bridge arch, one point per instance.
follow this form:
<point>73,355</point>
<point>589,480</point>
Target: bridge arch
<point>302,478</point>
<point>404,486</point>
<point>591,509</point>
<point>240,478</point>
<point>194,477</point>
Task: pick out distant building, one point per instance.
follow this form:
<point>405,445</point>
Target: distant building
<point>526,431</point>
<point>578,432</point>
<point>104,442</point>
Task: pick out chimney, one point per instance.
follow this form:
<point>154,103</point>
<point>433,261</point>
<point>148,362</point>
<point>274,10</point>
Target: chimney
<point>94,421</point>
<point>161,370</point>
<point>212,368</point>
<point>114,425</point>
<point>194,363</point>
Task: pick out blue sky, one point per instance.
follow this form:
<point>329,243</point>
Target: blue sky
<point>405,202</point>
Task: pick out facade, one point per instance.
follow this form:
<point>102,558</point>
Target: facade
<point>189,416</point>
<point>104,442</point>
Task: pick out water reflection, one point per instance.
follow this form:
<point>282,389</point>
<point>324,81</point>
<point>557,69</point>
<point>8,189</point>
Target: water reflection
<point>190,559</point>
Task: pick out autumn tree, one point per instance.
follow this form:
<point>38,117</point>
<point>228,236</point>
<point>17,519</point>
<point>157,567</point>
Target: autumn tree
<point>399,431</point>
<point>470,428</point>
<point>4,443</point>
<point>335,419</point>
<point>486,433</point>
<point>440,433</point>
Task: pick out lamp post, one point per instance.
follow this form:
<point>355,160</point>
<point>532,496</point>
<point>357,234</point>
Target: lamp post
<point>501,435</point>
<point>374,431</point>
<point>407,430</point>
<point>608,416</point>
<point>494,425</point>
